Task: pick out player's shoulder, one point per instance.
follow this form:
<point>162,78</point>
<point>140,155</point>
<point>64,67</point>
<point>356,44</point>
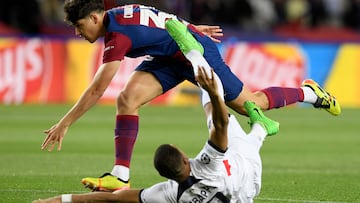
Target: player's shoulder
<point>161,192</point>
<point>126,15</point>
<point>129,8</point>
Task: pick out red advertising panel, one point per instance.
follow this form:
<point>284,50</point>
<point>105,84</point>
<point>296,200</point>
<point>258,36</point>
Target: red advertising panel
<point>264,65</point>
<point>31,71</point>
<point>38,70</point>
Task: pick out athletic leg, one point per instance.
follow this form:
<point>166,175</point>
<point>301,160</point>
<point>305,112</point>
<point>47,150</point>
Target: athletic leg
<point>151,79</point>
<point>140,88</point>
<point>192,44</point>
<point>269,98</point>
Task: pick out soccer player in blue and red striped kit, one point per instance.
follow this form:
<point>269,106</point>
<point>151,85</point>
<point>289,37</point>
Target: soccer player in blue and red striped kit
<point>137,30</point>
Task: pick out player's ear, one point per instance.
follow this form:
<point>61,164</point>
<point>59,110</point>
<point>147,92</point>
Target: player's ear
<point>186,166</point>
<point>185,160</point>
<point>94,17</point>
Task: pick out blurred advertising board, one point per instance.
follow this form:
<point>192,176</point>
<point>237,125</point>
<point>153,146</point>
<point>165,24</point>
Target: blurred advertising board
<point>32,71</point>
<point>39,70</point>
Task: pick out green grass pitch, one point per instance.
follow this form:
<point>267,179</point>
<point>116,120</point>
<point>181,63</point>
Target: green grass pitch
<point>314,158</point>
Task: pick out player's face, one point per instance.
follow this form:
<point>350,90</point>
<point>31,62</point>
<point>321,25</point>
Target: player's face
<point>87,28</point>
<point>185,165</point>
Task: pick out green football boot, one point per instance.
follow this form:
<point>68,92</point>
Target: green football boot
<point>182,36</point>
<point>257,116</point>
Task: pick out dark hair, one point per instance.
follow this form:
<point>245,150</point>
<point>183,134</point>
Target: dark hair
<point>168,161</point>
<point>78,9</point>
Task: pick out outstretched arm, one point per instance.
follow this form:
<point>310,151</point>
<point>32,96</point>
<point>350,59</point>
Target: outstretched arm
<point>217,108</point>
<point>88,99</point>
<point>122,196</point>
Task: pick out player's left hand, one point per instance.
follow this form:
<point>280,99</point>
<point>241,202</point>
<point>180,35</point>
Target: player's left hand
<point>212,31</point>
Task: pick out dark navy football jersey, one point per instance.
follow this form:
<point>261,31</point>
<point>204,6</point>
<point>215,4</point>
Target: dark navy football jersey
<point>137,30</point>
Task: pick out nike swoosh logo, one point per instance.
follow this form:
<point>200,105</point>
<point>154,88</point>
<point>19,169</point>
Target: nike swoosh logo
<point>257,111</point>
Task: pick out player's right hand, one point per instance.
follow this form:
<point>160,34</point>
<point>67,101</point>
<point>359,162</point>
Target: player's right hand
<point>54,136</point>
<point>207,82</point>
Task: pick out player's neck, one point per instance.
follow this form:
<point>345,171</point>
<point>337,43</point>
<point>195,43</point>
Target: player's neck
<point>102,31</point>
<point>185,174</point>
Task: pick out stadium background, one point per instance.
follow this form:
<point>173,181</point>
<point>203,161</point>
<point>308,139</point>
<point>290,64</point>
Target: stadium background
<point>313,159</point>
<point>269,43</point>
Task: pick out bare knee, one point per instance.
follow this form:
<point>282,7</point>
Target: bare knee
<point>126,104</point>
<point>259,98</point>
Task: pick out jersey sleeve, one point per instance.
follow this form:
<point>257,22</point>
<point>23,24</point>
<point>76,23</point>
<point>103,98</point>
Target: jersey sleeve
<point>208,164</point>
<point>116,46</point>
<point>164,192</point>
